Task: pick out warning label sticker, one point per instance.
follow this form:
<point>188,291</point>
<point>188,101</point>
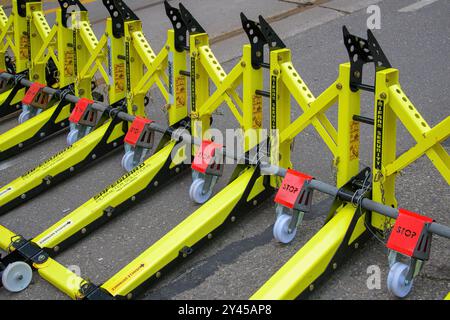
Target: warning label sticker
<point>354,140</point>
<point>257,111</point>
<point>24,47</point>
<point>54,233</point>
<point>129,276</point>
<point>180,91</point>
<point>50,162</point>
<point>69,59</point>
<point>122,182</point>
<point>7,190</point>
<point>119,77</point>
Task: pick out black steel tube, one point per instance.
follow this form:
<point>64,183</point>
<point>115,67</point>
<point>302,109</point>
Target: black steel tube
<point>364,87</point>
<point>365,120</point>
<point>185,73</point>
<point>263,93</point>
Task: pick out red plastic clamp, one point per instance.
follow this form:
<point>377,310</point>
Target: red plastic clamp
<point>32,94</point>
<point>291,193</point>
<point>410,235</point>
<point>137,135</point>
<point>205,159</point>
<point>80,109</point>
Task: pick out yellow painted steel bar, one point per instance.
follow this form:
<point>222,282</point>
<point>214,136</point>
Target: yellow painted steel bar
<point>51,270</point>
<point>419,129</point>
<point>300,272</point>
<point>189,232</point>
<point>60,162</point>
<point>112,196</point>
<point>30,128</point>
<point>426,141</point>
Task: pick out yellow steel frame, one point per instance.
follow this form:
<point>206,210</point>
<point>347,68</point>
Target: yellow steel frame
<point>142,179</point>
<point>343,143</point>
<point>245,189</point>
<point>205,68</point>
<point>14,37</point>
<point>391,103</point>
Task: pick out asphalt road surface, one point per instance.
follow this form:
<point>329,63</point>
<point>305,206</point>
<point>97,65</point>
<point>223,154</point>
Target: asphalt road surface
<point>239,261</point>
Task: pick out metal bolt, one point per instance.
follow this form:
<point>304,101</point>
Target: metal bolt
<point>184,255</point>
<point>72,169</point>
<point>280,58</point>
<point>357,74</point>
<point>243,64</point>
<point>194,54</point>
<point>156,183</point>
<point>167,47</point>
<point>94,156</point>
<point>63,124</point>
<point>35,76</point>
<point>335,266</point>
<point>56,248</point>
<point>132,59</point>
<point>233,219</point>
<point>339,86</point>
<point>133,198</point>
<point>81,92</point>
<point>114,144</point>
<point>23,196</point>
<point>356,245</point>
<point>383,96</point>
<point>129,296</point>
<point>276,72</point>
<point>255,202</point>
<point>20,145</point>
<point>177,170</point>
<point>210,236</point>
<point>41,258</point>
<point>158,275</point>
<point>83,231</point>
<point>109,214</point>
<point>79,47</point>
<point>311,287</point>
<point>42,134</point>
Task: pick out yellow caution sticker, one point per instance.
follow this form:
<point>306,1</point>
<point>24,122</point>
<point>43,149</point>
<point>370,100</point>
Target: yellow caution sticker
<point>119,77</point>
<point>54,233</point>
<point>6,191</point>
<point>24,47</point>
<point>180,92</point>
<point>257,112</point>
<point>69,58</point>
<point>354,140</point>
<point>122,182</point>
<point>128,277</point>
<point>60,156</point>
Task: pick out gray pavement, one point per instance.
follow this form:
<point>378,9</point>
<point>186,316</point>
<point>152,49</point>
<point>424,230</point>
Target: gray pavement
<point>238,261</point>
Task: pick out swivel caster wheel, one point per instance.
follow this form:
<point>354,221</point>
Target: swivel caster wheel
<point>281,229</point>
<point>17,276</point>
<point>72,137</point>
<point>128,161</point>
<point>24,116</point>
<point>396,280</point>
<point>196,192</point>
